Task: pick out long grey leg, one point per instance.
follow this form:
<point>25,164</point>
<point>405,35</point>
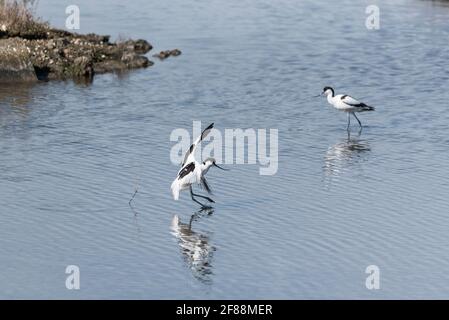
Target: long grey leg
<point>360,124</point>
<point>349,120</point>
<point>193,198</point>
<point>198,195</point>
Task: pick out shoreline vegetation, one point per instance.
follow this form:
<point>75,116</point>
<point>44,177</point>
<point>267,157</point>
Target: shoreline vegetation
<point>31,50</point>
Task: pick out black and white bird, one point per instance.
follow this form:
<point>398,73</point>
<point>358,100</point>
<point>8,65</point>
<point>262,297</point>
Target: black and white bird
<point>346,103</point>
<point>193,172</point>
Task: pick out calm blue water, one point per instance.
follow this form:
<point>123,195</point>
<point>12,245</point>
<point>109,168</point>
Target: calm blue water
<point>71,155</point>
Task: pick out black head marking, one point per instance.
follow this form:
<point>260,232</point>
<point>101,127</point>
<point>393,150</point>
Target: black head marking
<point>329,88</point>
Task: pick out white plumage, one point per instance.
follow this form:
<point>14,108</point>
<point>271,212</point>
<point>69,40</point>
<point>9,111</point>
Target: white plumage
<point>193,172</point>
<point>346,103</point>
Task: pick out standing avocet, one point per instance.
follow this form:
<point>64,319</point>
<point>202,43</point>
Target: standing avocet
<point>346,103</point>
<point>193,172</point>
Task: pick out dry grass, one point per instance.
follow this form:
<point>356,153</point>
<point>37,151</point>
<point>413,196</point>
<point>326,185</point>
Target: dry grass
<point>17,18</point>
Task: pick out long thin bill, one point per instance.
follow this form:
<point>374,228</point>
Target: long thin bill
<point>216,165</point>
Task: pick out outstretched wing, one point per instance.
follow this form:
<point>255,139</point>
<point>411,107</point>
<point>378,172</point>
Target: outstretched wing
<point>205,185</point>
<point>350,101</point>
<point>189,156</point>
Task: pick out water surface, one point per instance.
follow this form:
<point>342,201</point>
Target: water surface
<point>72,154</point>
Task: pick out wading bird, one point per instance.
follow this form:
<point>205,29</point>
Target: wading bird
<point>346,103</point>
<point>193,172</point>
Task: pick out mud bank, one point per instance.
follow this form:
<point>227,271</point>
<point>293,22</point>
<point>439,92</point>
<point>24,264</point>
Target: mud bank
<point>58,54</point>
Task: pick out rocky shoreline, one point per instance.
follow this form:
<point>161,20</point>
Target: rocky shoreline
<point>58,54</point>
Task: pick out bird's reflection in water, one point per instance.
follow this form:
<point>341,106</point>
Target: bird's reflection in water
<point>196,249</point>
<point>344,155</point>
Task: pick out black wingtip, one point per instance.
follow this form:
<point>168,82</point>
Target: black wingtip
<point>210,126</point>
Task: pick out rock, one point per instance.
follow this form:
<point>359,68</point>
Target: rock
<point>133,60</point>
<point>51,44</point>
<point>175,52</point>
<point>59,54</point>
<point>142,46</point>
<point>61,42</point>
<point>66,52</point>
<point>162,55</point>
<point>109,66</point>
<point>167,53</point>
<point>138,46</point>
<point>15,62</point>
<point>82,67</point>
<point>92,37</point>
